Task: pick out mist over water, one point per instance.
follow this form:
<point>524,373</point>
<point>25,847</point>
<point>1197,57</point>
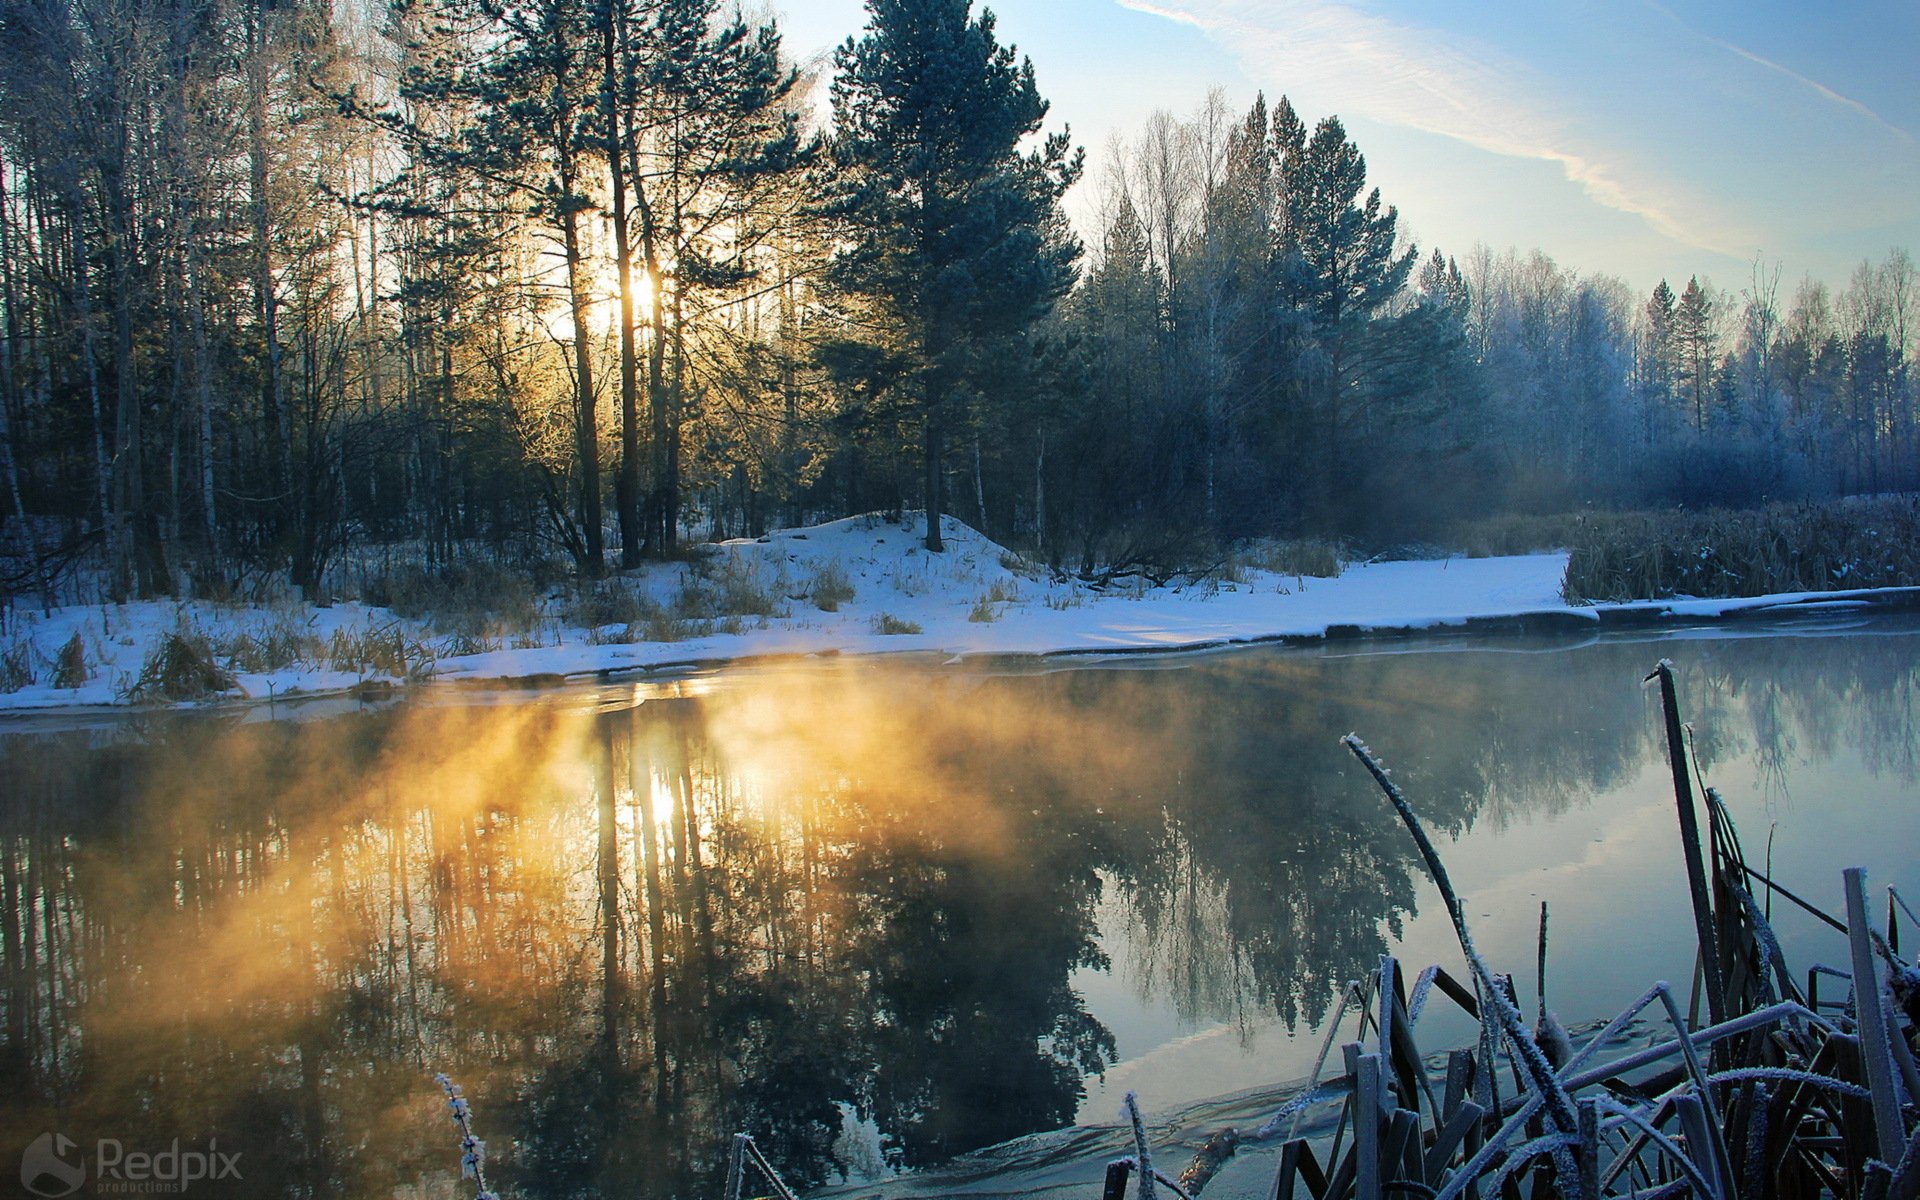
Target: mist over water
<point>631,922</point>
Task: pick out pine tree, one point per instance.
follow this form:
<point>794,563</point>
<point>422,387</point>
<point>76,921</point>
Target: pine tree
<point>1337,270</point>
<point>1694,338</point>
<point>955,242</point>
<point>1657,348</point>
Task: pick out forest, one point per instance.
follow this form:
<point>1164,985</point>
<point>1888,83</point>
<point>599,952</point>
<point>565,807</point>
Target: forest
<point>575,283</point>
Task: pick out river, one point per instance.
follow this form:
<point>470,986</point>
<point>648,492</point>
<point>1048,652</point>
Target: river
<point>866,907</point>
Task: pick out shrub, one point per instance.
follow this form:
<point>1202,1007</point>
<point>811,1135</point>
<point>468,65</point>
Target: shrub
<point>889,624</point>
<point>983,612</point>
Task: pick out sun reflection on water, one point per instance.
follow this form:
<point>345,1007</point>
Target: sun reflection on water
<point>629,916</point>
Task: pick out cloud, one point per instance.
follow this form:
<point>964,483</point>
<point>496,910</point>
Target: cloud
<point>1642,122</point>
<point>1813,85</point>
<point>1156,10</point>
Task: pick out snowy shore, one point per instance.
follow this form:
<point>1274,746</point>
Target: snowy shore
<point>976,599</point>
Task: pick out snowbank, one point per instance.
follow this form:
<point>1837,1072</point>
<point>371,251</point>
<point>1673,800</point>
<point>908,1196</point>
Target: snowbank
<point>974,599</point>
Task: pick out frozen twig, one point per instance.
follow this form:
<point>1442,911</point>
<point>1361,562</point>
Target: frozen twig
<point>1142,1153</point>
<point>473,1151</point>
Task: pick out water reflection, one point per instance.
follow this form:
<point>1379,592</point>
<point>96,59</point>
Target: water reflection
<point>632,929</point>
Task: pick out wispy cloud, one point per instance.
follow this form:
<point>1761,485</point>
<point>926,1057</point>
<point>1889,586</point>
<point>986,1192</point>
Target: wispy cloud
<point>1811,84</point>
<point>1617,145</point>
<point>1158,10</point>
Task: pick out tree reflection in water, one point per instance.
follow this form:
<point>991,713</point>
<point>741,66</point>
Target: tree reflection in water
<point>631,929</point>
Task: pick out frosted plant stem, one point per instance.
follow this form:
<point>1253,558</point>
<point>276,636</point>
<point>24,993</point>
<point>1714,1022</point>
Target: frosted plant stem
<point>1872,1021</point>
<point>1143,1156</point>
<point>1540,1073</point>
<point>473,1151</point>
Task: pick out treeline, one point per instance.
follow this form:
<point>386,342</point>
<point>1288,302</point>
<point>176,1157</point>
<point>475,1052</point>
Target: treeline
<point>581,278</point>
<point>1267,355</point>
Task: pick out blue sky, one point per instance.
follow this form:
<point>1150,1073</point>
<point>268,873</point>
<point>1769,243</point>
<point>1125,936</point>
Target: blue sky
<point>1641,138</point>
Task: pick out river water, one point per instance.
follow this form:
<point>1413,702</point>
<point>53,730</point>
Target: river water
<point>863,909</point>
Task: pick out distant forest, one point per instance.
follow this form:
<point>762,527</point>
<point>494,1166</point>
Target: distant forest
<point>580,280</point>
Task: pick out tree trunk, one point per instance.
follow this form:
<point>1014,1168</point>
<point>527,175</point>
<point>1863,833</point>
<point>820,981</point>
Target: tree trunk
<point>275,392</point>
<point>202,389</point>
<point>660,534</point>
<point>933,481</point>
<point>10,402</point>
<point>90,360</point>
<point>586,424</point>
<point>627,484</point>
<point>1040,495</point>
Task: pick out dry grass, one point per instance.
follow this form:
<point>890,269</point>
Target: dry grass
<point>182,667</point>
<point>829,588</point>
<point>70,666</point>
<point>1782,548</point>
<point>275,646</point>
<point>480,603</point>
<point>16,666</point>
<point>1314,557</point>
<point>595,604</point>
<point>379,652</point>
<point>1520,533</point>
<point>887,623</point>
<point>726,586</point>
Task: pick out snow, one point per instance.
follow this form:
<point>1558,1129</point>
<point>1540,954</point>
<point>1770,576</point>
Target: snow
<point>975,599</point>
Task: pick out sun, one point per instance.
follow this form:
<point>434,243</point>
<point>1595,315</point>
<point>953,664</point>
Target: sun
<point>603,299</point>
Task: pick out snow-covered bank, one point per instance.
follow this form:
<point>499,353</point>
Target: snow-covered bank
<point>857,586</point>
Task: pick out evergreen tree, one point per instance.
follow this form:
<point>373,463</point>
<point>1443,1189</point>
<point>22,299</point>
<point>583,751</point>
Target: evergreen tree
<point>1338,270</point>
<point>1656,357</point>
<point>1694,342</point>
<point>1113,465</point>
<point>954,238</point>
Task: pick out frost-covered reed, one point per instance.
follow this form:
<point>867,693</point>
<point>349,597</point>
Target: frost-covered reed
<point>1777,1094</point>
